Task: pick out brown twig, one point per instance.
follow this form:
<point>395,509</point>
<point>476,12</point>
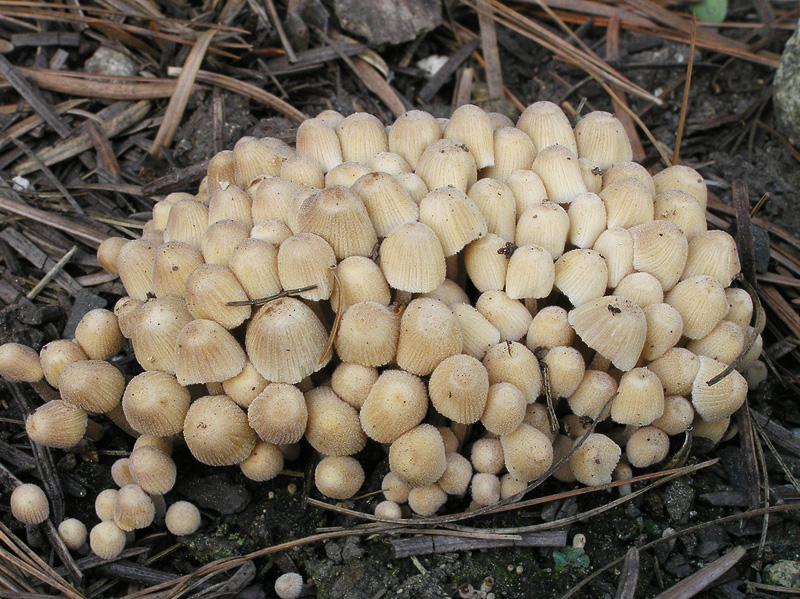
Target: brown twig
<point>676,154</point>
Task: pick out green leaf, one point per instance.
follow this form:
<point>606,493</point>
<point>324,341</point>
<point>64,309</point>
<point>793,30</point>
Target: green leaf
<point>711,11</point>
<point>569,557</point>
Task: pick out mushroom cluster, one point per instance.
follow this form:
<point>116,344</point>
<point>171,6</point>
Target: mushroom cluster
<point>425,285</point>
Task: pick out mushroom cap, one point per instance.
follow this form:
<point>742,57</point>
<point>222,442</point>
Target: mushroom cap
<point>487,455</point>
<point>285,341</point>
<point>614,326</point>
<point>485,488</point>
<point>206,352</point>
<point>417,457</point>
<point>457,475</point>
<point>182,518</point>
<point>702,303</point>
<point>640,398</point>
<point>647,446</point>
<point>333,427</point>
<point>133,508</point>
<point>279,414</point>
<point>29,504</point>
<point>107,540</point>
<point>368,334</point>
<point>459,388</point>
<point>289,585</point>
<point>528,453</point>
<point>94,385</point>
<point>395,489</point>
<point>429,333</point>
<point>595,460</point>
<point>56,355</point>
<point>353,382</point>
<point>57,424</point>
<point>155,403</point>
<point>397,402</point>
<point>426,500</point>
<point>714,403</point>
<point>339,477</point>
<point>73,532</point>
<point>514,363</point>
<point>153,470</point>
<point>264,463</point>
<point>412,258</point>
<point>217,432</point>
<point>505,409</point>
<point>20,363</point>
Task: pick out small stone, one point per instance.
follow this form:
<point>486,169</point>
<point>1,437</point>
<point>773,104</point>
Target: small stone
<point>388,21</point>
<point>107,61</point>
<point>678,567</point>
<point>215,492</point>
<point>784,573</point>
<point>678,499</point>
<point>786,90</point>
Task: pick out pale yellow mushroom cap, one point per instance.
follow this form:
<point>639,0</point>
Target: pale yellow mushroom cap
<point>74,533</point>
<point>182,518</point>
<point>20,363</point>
<point>339,477</point>
<point>29,504</point>
<point>107,540</point>
<point>417,457</point>
<point>217,432</point>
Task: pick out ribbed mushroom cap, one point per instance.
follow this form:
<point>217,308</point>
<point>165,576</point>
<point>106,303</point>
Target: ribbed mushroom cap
<point>29,504</point>
<point>647,446</point>
<point>209,289</point>
<point>317,140</point>
<point>411,133</point>
<point>486,455</point>
<point>155,403</point>
<point>289,586</point>
<point>339,477</point>
<point>285,341</point>
<point>253,159</point>
<point>594,461</point>
<point>104,504</point>
<point>682,209</point>
<point>361,136</point>
<point>684,178</point>
<point>426,500</point>
<point>133,508</point>
<point>182,518</point>
<point>135,266</point>
<point>565,367</point>
<point>509,316</point>
<point>397,402</point>
<point>628,203</point>
<point>477,332</point>
<point>592,394</point>
<point>510,486</point>
<point>453,216</point>
<point>513,150</point>
<point>107,540</point>
<point>187,222</point>
<point>527,188</point>
<point>459,387</point>
<point>412,258</point>
<point>98,334</point>
<point>125,310</point>
<point>414,185</point>
<point>272,200</point>
<point>429,333</point>
<point>73,532</point>
<point>121,472</point>
<point>616,246</point>
<point>56,355</point>
<point>664,330</point>
<point>514,363</point>
<point>264,463</point>
<point>587,219</point>
<point>57,424</point>
<point>677,417</point>
<point>447,163</point>
<point>457,475</point>
<point>389,163</point>
<point>547,125</point>
<point>505,409</point>
<point>346,174</point>
<point>20,363</point>
<point>353,382</point>
<point>626,169</point>
<point>272,231</point>
<point>94,385</point>
<point>528,453</point>
<point>306,259</point>
<point>368,334</point>
<point>642,288</point>
<point>601,137</point>
<point>388,203</point>
<point>231,203</point>
<point>702,303</point>
<point>155,329</point>
<point>108,252</point>
<point>221,171</point>
<point>614,326</point>
<point>279,414</point>
<point>216,431</point>
<point>153,470</point>
<point>245,386</point>
<point>592,175</point>
<point>581,275</point>
<point>548,329</point>
<point>163,444</point>
<point>485,262</point>
<point>660,248</point>
<point>640,398</point>
<point>173,263</point>
<point>531,273</point>
<point>333,427</point>
<point>417,457</point>
<point>498,206</point>
<point>560,172</point>
<point>361,280</point>
<point>676,370</point>
<point>471,126</point>
<point>713,403</point>
<point>545,224</point>
<point>713,431</point>
<point>254,262</point>
<point>206,352</point>
<point>339,216</point>
<point>724,343</point>
<point>713,254</point>
<point>740,309</point>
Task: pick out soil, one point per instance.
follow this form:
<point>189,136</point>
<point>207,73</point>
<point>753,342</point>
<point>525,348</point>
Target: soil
<point>241,516</point>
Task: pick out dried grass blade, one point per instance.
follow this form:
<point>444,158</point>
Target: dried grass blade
<point>120,88</point>
<point>82,141</point>
<point>90,236</point>
<point>629,577</point>
<point>697,582</point>
<point>379,86</point>
<point>676,155</point>
<point>177,104</point>
<point>33,121</point>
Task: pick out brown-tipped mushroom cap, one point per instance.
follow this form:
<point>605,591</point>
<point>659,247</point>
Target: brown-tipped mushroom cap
<point>279,414</point>
<point>397,402</point>
<point>459,387</point>
<point>206,352</point>
<point>216,431</point>
<point>156,404</point>
<point>594,461</point>
<point>20,363</point>
<point>429,333</point>
<point>94,385</point>
<point>333,426</point>
<point>339,477</point>
<point>57,424</point>
<point>417,457</point>
<point>528,453</point>
<point>29,504</point>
